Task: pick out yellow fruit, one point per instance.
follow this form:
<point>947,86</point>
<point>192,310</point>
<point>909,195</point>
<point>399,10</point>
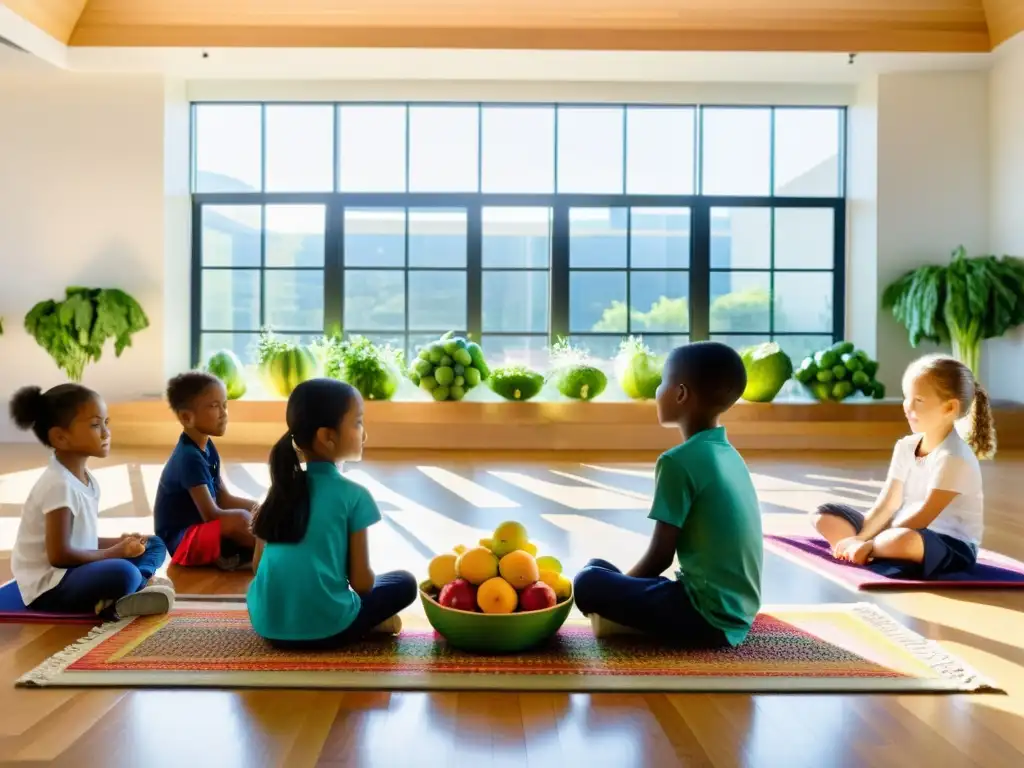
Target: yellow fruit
<point>477,565</point>
<point>531,548</point>
<point>558,582</point>
<point>442,570</point>
<point>488,543</point>
<point>519,569</point>
<point>496,596</point>
<point>459,549</point>
<point>508,537</point>
<point>549,563</point>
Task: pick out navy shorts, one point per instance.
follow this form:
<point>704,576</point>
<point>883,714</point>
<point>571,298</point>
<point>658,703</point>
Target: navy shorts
<point>942,554</point>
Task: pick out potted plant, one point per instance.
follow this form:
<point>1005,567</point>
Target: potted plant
<point>75,330</point>
<point>961,303</point>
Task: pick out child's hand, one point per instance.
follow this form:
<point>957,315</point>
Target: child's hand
<point>127,548</point>
<point>138,536</point>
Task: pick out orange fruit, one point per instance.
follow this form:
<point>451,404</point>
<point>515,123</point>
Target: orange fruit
<point>477,565</point>
<point>496,596</point>
<point>519,569</point>
<point>442,570</point>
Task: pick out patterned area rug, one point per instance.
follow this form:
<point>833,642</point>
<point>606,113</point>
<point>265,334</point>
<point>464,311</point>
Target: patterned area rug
<point>854,647</point>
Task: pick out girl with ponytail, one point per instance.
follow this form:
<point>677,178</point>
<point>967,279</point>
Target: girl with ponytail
<point>928,519</point>
<point>314,587</point>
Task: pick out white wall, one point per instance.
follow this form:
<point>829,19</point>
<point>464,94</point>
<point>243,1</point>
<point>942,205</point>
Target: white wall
<point>81,203</point>
<point>1003,359</point>
<point>933,190</point>
<point>862,218</point>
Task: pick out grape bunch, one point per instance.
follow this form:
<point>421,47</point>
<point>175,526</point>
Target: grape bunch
<point>838,372</point>
<point>449,367</point>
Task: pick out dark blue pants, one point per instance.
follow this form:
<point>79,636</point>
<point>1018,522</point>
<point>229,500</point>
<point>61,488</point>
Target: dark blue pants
<point>390,594</point>
<point>658,607</point>
<point>83,586</point>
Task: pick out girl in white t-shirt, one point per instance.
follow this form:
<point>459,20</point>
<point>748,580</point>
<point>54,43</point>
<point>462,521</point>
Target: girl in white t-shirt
<point>928,519</point>
<point>59,562</point>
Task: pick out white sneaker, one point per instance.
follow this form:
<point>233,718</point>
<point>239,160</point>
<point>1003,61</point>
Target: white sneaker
<point>602,627</point>
<point>148,601</point>
<point>390,626</point>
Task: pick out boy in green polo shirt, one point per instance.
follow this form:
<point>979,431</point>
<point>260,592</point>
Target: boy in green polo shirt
<point>706,513</point>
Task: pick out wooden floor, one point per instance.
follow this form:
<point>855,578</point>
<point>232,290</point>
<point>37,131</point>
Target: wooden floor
<point>574,511</point>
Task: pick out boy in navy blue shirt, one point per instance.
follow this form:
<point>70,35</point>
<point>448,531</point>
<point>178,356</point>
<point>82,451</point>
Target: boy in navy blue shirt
<point>201,522</point>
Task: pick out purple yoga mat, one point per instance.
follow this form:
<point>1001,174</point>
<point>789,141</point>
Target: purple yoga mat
<point>13,611</point>
<point>992,571</point>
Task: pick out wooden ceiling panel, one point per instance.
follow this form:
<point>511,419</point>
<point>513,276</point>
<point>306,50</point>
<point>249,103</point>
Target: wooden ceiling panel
<point>1005,19</point>
<point>702,25</point>
<point>57,18</point>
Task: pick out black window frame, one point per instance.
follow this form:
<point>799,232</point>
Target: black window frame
<point>700,206</point>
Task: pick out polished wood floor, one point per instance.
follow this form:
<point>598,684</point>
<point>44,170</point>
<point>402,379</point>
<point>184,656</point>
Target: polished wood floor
<point>574,511</point>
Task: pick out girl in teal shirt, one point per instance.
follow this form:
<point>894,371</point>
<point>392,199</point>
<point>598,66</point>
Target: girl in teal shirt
<point>314,588</point>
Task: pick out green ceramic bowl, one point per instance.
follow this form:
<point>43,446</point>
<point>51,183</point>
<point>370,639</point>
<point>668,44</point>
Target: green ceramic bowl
<point>494,632</point>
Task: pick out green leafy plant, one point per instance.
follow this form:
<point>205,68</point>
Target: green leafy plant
<point>74,331</point>
<point>374,370</point>
<point>962,303</point>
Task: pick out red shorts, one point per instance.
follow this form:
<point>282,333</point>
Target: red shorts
<point>200,545</point>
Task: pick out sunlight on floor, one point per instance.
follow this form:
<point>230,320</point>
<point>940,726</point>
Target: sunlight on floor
<point>875,484</point>
<point>115,487</point>
<point>587,481</point>
<point>15,486</point>
<point>769,483</point>
<point>474,493</point>
<point>781,524</point>
<point>571,496</point>
<point>808,501</point>
<point>1004,625</point>
<point>645,473</point>
<point>434,530</point>
<point>1003,673</point>
<point>589,538</point>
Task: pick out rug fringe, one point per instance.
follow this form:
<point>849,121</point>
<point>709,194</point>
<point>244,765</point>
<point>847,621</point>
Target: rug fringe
<point>930,652</point>
<point>42,675</point>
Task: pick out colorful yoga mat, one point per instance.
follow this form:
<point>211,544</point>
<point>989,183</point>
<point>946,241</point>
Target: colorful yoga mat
<point>992,571</point>
<point>851,647</point>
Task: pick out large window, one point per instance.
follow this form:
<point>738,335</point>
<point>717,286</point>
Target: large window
<point>518,224</point>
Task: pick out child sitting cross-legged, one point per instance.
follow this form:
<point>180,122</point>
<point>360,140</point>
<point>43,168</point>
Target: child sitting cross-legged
<point>706,513</point>
<point>60,563</point>
<point>314,587</point>
<point>201,522</point>
<point>928,519</point>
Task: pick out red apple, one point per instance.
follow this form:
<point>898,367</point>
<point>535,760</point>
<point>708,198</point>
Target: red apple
<point>459,594</point>
<point>537,597</point>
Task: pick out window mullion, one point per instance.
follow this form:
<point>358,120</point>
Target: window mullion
<point>700,271</point>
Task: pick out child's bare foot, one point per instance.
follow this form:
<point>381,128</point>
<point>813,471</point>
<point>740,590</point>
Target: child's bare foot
<point>160,581</point>
<point>604,628</point>
<point>390,626</point>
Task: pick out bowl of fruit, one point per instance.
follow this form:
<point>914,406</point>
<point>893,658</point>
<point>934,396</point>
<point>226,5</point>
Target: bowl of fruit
<point>497,597</point>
